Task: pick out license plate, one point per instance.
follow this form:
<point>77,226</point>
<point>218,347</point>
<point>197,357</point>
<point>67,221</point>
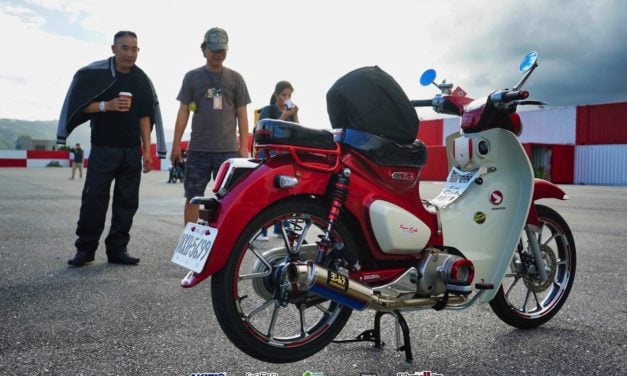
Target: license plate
<point>194,246</point>
<point>456,183</point>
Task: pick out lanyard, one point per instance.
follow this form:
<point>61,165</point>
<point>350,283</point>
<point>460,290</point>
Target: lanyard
<point>217,87</point>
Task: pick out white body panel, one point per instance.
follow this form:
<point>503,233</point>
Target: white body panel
<point>397,231</point>
<point>486,221</point>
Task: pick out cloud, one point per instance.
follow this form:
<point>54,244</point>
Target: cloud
<point>477,45</point>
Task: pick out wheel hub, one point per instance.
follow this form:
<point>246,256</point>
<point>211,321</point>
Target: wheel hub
<point>535,284</point>
<point>265,287</point>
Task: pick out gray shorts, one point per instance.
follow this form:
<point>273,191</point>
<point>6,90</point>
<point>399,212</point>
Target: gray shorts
<point>200,167</point>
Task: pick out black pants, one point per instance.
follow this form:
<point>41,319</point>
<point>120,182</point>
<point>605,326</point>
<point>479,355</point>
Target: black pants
<point>105,165</point>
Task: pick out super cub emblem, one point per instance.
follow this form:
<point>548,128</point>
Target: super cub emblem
<point>406,176</point>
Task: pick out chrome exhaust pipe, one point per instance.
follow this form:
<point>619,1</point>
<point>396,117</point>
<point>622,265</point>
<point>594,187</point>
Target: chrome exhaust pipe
<point>307,276</point>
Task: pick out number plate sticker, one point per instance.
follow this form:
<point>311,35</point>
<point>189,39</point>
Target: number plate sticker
<point>194,246</point>
<point>456,183</point>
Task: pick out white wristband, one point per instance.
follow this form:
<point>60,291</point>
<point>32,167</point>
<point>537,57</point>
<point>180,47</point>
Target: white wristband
<point>101,106</point>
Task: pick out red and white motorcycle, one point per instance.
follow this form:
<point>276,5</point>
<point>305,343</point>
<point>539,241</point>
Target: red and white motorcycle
<point>354,232</point>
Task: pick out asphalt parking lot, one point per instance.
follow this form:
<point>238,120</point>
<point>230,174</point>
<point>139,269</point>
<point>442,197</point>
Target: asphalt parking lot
<point>107,319</point>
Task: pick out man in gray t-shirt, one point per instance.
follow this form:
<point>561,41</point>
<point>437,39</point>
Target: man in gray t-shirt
<point>218,97</point>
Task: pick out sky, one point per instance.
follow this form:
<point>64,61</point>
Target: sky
<point>477,45</point>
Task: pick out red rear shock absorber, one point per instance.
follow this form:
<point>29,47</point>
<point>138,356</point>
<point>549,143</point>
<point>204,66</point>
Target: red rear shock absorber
<point>338,193</point>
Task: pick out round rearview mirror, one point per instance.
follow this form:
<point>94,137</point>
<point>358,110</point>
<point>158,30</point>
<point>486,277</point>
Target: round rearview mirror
<point>528,61</point>
<point>427,77</point>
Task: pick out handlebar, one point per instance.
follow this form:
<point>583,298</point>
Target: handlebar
<point>508,96</point>
<point>422,103</point>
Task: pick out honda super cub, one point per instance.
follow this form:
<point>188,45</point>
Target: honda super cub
<point>353,232</point>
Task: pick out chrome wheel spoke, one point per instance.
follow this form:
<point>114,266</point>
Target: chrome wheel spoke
<point>538,302</point>
<point>275,315</point>
<point>258,275</point>
<point>259,308</point>
<point>301,311</point>
<point>323,309</point>
<point>524,305</point>
<point>551,238</point>
<point>511,287</point>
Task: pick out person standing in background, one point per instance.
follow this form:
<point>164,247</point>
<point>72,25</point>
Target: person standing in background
<point>281,107</point>
<point>218,97</point>
<point>77,161</point>
<point>119,99</point>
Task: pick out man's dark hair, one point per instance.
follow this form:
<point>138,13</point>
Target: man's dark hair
<point>124,33</point>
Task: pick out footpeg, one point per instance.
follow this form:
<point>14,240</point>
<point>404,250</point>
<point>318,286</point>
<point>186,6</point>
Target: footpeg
<point>484,286</point>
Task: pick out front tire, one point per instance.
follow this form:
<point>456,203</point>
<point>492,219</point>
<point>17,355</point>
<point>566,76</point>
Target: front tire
<point>523,300</point>
<point>249,294</point>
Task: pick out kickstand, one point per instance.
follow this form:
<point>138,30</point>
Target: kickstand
<point>374,335</point>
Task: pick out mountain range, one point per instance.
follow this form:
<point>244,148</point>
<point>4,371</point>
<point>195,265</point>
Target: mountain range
<point>11,129</point>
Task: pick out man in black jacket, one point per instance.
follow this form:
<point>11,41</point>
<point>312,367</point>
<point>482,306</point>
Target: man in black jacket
<point>120,142</point>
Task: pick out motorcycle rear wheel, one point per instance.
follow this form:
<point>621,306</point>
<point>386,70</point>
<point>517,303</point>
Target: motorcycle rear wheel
<point>523,300</point>
<point>246,294</point>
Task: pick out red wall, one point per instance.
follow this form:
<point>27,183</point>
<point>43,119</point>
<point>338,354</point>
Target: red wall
<point>430,131</point>
<point>602,124</point>
<point>12,162</point>
<point>563,164</point>
<point>47,154</point>
<point>437,164</point>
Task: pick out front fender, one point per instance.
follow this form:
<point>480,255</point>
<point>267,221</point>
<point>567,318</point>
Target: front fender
<point>543,189</point>
<point>248,198</point>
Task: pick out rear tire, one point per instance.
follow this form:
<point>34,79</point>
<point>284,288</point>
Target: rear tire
<point>524,301</point>
<point>247,298</point>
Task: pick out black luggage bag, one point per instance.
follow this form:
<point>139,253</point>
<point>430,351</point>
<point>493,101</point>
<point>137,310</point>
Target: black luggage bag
<point>370,100</point>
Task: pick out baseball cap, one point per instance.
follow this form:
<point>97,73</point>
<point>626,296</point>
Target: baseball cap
<point>216,39</point>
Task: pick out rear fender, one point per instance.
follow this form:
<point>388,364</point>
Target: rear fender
<point>247,199</point>
<point>543,189</point>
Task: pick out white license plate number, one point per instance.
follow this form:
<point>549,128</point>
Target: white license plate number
<point>194,246</point>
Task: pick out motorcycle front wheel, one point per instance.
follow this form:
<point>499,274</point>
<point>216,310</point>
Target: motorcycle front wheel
<point>524,300</point>
<point>251,298</point>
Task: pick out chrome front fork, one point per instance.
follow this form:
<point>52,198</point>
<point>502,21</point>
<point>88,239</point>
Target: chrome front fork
<point>534,247</point>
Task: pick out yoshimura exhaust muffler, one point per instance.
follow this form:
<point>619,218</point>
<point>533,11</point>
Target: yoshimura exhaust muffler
<point>307,276</point>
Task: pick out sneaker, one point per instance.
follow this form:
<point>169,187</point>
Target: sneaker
<point>275,235</point>
<point>263,238</point>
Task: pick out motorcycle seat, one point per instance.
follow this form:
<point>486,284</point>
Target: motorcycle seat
<point>271,131</point>
<point>383,151</point>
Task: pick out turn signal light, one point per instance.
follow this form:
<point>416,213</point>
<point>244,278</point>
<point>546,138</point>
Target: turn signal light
<point>462,272</point>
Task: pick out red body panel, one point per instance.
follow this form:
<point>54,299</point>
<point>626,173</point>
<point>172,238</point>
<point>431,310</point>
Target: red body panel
<point>543,189</point>
<point>368,182</point>
<point>238,207</point>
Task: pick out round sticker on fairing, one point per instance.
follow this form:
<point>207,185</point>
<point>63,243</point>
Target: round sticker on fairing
<point>496,197</point>
<point>479,217</point>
